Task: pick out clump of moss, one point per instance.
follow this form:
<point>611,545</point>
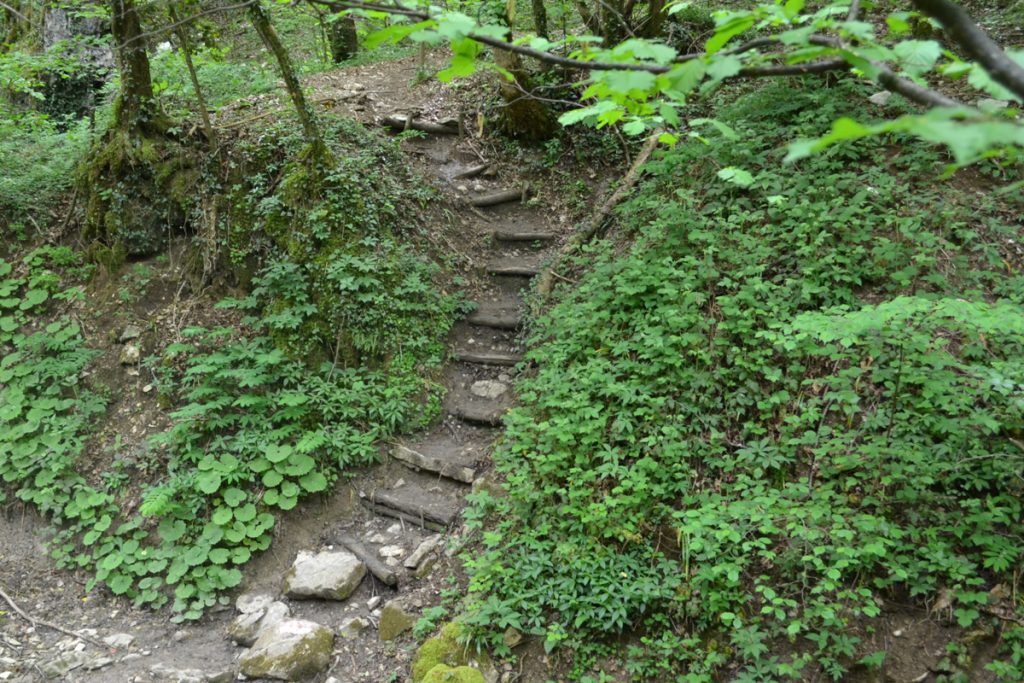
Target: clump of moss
<point>461,674</point>
<point>445,655</point>
<point>138,189</point>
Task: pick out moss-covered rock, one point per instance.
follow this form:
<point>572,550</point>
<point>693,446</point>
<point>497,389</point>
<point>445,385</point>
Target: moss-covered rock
<point>290,650</point>
<point>394,621</point>
<point>445,650</point>
<point>443,673</point>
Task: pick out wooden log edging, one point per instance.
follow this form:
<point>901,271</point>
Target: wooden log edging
<point>372,562</point>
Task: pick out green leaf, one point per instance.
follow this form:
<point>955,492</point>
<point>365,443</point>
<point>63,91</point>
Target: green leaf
<point>171,530</point>
<point>917,56</point>
<point>208,482</point>
<point>736,176</point>
<point>313,482</point>
<point>727,31</point>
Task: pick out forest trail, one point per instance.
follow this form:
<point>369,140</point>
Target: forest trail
<point>404,512</point>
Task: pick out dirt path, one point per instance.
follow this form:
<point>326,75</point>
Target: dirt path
<point>385,508</point>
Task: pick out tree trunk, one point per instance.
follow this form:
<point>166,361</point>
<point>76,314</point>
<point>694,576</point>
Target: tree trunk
<point>134,109</point>
<point>344,40</point>
<point>261,22</point>
<point>186,52</point>
<point>540,18</point>
<point>524,116</point>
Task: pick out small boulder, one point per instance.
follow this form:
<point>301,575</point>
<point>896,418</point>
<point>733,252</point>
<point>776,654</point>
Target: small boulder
<point>394,621</point>
<point>488,388</point>
<point>253,602</point>
<point>880,98</point>
<point>352,628</point>
<point>129,333</point>
<point>119,641</point>
<point>130,355</point>
<point>290,650</point>
<point>425,548</point>
<point>247,627</point>
<point>329,575</point>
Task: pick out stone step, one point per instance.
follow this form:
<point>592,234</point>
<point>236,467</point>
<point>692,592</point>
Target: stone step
<point>487,357</point>
<point>479,401</point>
<point>449,460</point>
<point>522,236</point>
<point>514,266</point>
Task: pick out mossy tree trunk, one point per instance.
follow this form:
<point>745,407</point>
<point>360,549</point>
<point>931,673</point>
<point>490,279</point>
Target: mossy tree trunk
<point>344,40</point>
<point>524,116</point>
<point>261,22</point>
<point>138,179</point>
<point>135,109</point>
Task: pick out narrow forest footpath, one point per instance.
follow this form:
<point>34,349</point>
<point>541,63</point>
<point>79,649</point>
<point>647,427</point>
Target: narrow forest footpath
<point>350,574</point>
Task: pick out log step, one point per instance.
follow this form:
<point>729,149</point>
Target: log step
<point>513,266</point>
<point>522,236</point>
<point>487,357</point>
<point>413,504</point>
<point>501,315</point>
<point>480,413</point>
<point>516,194</point>
<point>497,320</point>
<point>451,464</point>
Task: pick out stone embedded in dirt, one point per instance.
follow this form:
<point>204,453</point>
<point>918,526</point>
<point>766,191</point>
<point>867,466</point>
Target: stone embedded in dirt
<point>512,637</point>
<point>168,674</point>
<point>391,550</point>
<point>329,575</point>
<point>372,603</point>
<point>880,98</point>
<point>488,388</point>
<point>394,621</point>
<point>130,355</point>
<point>291,650</point>
<point>247,627</point>
<point>253,602</point>
<point>98,663</point>
<point>119,641</point>
<point>352,628</point>
<point>426,547</point>
<point>130,332</point>
<point>60,666</point>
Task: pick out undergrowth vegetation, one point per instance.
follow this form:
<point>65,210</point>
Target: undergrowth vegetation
<point>331,349</point>
<point>783,406</point>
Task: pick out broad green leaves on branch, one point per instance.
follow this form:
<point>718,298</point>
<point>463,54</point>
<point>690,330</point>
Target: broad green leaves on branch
<point>785,33</point>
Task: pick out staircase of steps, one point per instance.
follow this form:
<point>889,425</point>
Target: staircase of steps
<point>485,347</point>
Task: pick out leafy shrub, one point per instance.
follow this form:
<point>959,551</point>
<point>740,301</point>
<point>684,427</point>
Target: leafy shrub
<point>742,432</point>
<point>37,158</point>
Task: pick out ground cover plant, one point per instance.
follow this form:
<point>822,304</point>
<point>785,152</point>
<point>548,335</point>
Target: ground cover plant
<point>330,350</point>
<point>783,404</point>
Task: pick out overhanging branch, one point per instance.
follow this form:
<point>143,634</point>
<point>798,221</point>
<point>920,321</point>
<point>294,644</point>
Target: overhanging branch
<point>976,43</point>
<point>887,77</point>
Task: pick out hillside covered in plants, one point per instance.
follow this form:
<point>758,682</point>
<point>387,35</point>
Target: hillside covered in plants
<point>614,341</point>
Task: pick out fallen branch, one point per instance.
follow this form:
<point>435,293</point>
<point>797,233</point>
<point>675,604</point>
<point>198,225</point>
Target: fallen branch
<point>593,225</point>
<point>372,562</point>
<point>401,123</point>
<point>42,622</point>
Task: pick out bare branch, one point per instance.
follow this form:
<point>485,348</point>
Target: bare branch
<point>976,42</point>
<point>13,11</point>
<point>187,20</point>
